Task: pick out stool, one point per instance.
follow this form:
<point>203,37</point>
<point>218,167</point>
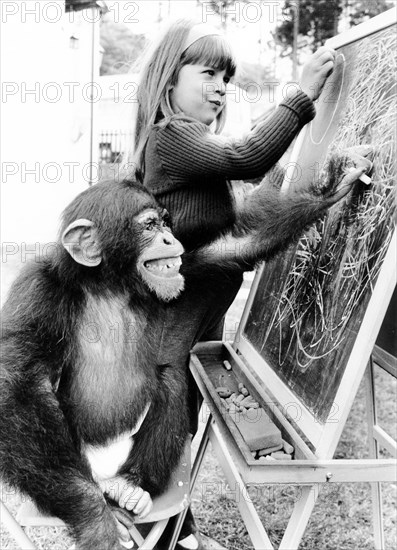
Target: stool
<point>174,501</point>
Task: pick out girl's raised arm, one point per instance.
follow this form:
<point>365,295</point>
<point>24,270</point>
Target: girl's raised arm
<point>187,148</point>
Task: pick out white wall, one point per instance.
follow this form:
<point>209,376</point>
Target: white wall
<point>42,132</point>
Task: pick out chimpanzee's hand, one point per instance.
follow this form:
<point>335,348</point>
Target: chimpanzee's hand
<point>343,171</point>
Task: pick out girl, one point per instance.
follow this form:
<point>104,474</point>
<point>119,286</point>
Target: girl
<point>187,167</point>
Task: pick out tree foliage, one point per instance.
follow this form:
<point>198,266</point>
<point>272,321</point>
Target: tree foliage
<point>122,47</point>
<point>318,19</point>
<point>365,9</point>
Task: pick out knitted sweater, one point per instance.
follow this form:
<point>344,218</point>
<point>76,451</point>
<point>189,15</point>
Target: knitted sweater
<point>187,167</point>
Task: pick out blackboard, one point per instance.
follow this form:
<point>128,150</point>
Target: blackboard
<point>310,300</point>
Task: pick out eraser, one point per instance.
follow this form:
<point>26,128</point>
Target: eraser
<point>259,432</point>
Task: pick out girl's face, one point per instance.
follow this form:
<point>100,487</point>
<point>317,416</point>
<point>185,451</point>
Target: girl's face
<point>200,92</point>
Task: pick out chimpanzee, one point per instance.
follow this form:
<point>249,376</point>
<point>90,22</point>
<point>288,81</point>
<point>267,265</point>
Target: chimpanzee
<point>84,401</point>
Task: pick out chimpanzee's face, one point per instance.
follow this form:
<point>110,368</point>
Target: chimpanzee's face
<point>160,257</point>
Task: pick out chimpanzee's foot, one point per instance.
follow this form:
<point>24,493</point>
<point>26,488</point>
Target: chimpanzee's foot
<point>128,496</point>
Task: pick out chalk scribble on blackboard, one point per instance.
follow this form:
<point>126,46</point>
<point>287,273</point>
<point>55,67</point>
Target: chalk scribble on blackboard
<point>310,300</point>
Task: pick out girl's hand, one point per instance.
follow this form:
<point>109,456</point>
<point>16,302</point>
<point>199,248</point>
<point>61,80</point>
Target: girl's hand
<point>316,71</point>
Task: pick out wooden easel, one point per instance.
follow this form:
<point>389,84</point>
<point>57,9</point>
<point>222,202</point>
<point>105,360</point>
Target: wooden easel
<point>310,469</point>
<point>314,441</point>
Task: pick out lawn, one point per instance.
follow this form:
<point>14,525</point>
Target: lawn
<point>341,519</point>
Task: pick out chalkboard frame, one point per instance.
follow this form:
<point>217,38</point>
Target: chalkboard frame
<point>324,436</point>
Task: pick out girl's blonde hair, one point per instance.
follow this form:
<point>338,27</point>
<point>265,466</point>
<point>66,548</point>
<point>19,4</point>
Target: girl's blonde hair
<point>160,73</point>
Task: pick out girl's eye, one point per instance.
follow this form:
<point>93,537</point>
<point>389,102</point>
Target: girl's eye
<point>226,80</point>
<point>210,72</point>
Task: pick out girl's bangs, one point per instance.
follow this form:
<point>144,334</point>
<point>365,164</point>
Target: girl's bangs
<point>212,51</point>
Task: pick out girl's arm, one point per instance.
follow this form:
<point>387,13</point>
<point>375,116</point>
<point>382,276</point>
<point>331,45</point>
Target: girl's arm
<point>188,149</point>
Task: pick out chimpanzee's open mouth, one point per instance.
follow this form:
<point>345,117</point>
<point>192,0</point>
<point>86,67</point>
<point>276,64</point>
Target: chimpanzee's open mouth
<point>164,267</point>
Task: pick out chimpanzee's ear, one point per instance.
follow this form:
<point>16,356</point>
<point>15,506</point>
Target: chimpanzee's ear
<point>80,239</point>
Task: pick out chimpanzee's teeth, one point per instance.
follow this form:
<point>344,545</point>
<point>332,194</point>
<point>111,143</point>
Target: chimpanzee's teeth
<point>164,265</point>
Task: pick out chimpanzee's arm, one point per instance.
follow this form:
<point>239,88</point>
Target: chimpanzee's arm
<point>269,219</point>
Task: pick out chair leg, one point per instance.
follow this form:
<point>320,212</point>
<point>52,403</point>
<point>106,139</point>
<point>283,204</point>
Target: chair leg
<point>15,529</point>
<point>177,529</point>
<point>154,535</point>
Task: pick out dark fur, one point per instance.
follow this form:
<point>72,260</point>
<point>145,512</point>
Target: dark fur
<point>48,406</point>
<point>45,416</point>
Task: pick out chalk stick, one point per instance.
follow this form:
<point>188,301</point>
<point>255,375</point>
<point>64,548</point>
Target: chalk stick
<point>364,178</point>
<point>258,432</point>
<point>287,447</point>
<point>281,456</point>
<point>233,409</point>
<point>223,391</point>
<point>247,401</point>
<point>264,452</point>
<point>227,365</point>
<point>226,404</point>
<point>127,544</point>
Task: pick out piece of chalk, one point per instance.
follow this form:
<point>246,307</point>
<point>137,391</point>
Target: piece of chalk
<point>127,544</point>
<point>270,450</point>
<point>227,365</point>
<point>287,447</point>
<point>248,401</point>
<point>364,178</point>
<point>223,391</point>
<point>280,456</point>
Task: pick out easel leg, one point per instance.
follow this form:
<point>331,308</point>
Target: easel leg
<point>299,518</point>
<point>200,454</point>
<point>376,488</point>
<point>255,529</point>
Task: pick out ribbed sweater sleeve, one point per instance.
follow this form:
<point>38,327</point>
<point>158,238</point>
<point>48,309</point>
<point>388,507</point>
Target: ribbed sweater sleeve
<point>188,149</point>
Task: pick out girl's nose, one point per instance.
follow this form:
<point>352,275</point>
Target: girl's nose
<point>221,88</point>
